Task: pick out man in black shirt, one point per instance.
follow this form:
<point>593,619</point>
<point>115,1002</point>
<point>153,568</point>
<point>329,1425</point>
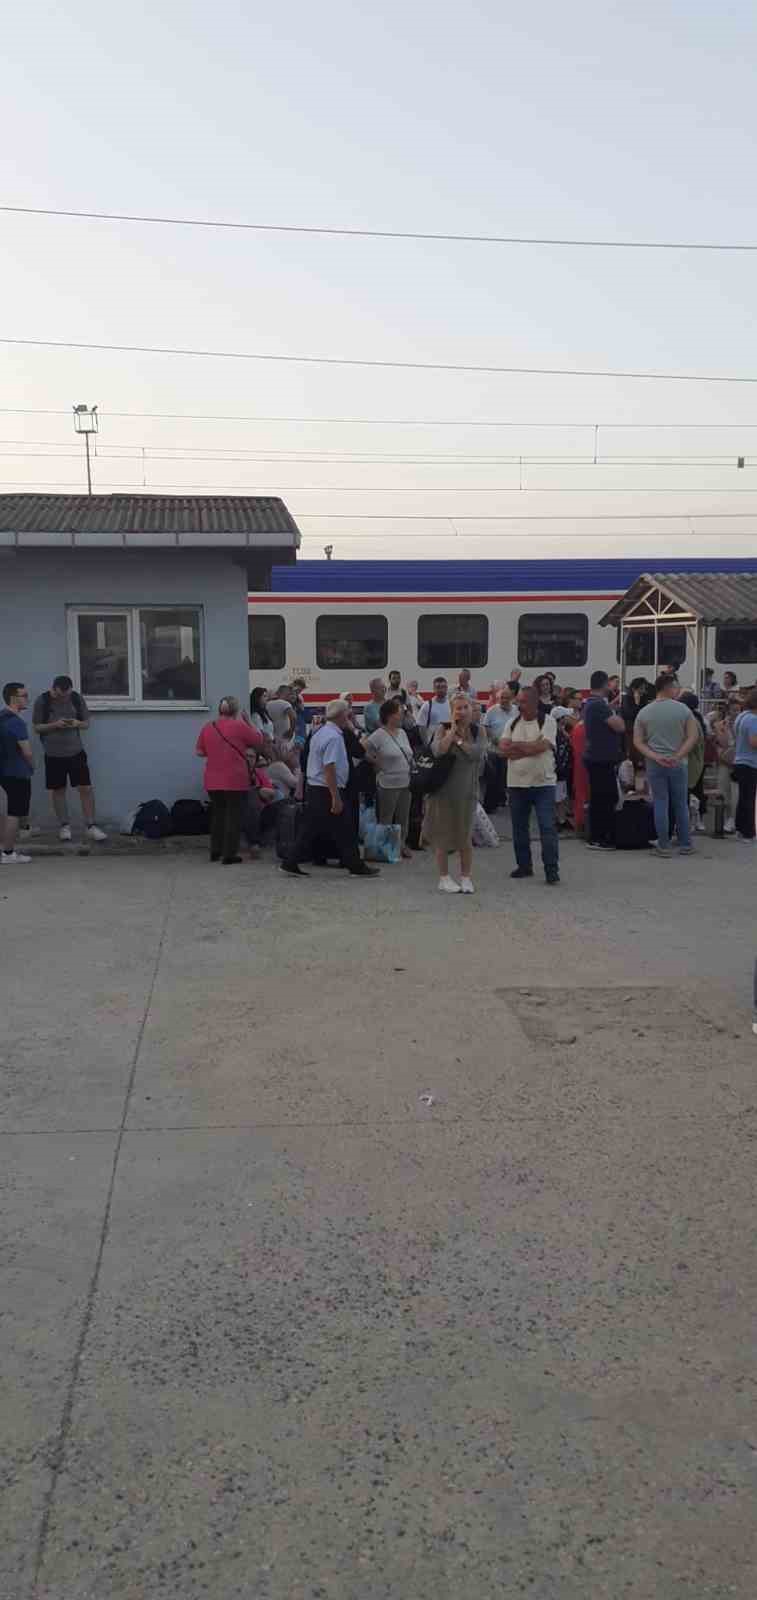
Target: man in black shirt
<point>601,757</point>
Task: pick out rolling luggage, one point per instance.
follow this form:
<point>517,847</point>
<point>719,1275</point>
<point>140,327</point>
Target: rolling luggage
<point>289,824</point>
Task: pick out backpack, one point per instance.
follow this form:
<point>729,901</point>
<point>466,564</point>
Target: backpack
<point>78,705</point>
<point>153,819</point>
<point>189,817</point>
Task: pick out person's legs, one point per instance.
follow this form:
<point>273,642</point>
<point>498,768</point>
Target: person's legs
<point>217,823</point>
<point>658,783</point>
<point>232,824</point>
<point>385,800</point>
<point>442,862</point>
<point>746,778</point>
<point>18,793</point>
<point>544,806</point>
<point>87,802</point>
<point>466,861</point>
<point>520,811</point>
<point>603,798</point>
<point>678,780</point>
<point>60,806</point>
<point>341,830</point>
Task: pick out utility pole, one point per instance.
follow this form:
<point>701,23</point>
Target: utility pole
<point>86,421</point>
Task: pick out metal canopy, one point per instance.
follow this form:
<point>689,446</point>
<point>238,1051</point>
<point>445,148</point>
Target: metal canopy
<point>713,598</point>
<point>696,601</point>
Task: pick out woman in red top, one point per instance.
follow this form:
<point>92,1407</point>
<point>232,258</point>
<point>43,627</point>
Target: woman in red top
<point>224,745</point>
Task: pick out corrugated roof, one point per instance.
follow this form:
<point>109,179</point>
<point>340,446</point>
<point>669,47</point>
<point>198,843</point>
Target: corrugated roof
<point>715,598</point>
<point>245,519</point>
<point>603,577</point>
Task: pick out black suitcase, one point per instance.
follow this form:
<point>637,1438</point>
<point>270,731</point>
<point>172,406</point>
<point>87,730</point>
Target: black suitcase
<point>289,825</point>
<point>634,825</point>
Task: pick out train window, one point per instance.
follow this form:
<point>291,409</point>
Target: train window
<point>736,644</point>
<point>453,641</point>
<point>553,639</point>
<point>266,638</point>
<point>359,642</point>
<point>671,647</point>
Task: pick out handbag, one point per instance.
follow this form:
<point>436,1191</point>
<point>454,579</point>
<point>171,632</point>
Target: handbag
<point>429,774</point>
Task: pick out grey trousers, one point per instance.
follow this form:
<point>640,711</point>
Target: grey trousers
<point>393,805</point>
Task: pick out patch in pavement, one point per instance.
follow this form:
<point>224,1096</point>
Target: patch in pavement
<point>550,1016</point>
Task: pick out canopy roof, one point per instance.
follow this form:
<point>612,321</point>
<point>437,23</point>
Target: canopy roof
<point>712,598</point>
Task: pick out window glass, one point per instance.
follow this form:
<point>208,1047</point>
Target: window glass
<point>267,641</point>
<point>553,639</point>
<point>736,643</point>
<point>170,655</point>
<point>453,641</point>
<point>345,641</point>
<point>103,655</point>
<point>671,646</point>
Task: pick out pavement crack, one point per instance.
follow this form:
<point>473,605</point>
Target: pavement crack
<point>59,1449</point>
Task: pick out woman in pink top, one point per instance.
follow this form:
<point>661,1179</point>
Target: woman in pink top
<point>224,745</point>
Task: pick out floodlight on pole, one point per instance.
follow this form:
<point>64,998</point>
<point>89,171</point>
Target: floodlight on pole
<point>86,421</point>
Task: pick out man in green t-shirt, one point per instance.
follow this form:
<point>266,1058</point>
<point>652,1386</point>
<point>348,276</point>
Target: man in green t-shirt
<point>665,732</point>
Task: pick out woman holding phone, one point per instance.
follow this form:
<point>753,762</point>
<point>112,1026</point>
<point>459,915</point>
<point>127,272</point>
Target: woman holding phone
<point>448,823</point>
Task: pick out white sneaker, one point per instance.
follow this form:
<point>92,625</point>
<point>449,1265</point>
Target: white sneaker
<point>700,825</point>
<point>15,859</point>
<point>467,886</point>
<point>64,833</point>
<point>730,826</point>
<point>448,885</point>
<point>96,833</point>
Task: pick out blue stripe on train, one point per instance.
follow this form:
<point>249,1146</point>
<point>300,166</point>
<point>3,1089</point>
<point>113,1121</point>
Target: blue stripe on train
<point>459,577</point>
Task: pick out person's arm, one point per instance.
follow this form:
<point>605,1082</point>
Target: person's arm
<point>329,773</point>
<point>24,746</point>
<point>50,727</point>
<point>616,723</point>
<point>691,735</point>
<point>371,753</point>
<point>444,739</point>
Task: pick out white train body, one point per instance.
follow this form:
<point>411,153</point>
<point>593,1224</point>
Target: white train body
<point>338,624</point>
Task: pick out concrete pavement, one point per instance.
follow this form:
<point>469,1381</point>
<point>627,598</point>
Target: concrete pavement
<point>274,1328</point>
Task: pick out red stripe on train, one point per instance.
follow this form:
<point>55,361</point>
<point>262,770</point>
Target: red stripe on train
<point>416,599</point>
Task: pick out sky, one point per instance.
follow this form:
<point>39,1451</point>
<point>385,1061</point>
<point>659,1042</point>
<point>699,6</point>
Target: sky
<point>563,122</point>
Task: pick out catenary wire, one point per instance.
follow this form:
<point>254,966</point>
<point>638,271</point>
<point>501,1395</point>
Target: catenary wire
<point>359,361</point>
<point>377,233</point>
<point>383,422</point>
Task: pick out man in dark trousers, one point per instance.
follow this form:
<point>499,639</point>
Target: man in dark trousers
<point>327,815</point>
<point>601,756</point>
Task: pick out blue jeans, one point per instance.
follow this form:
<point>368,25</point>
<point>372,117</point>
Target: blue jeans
<point>542,799</point>
<point>670,787</point>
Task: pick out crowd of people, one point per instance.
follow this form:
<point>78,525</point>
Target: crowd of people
<point>622,770</point>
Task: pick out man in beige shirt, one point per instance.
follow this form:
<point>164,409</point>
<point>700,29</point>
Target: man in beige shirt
<point>529,748</point>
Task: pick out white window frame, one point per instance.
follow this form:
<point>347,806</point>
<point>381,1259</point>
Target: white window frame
<point>133,701</point>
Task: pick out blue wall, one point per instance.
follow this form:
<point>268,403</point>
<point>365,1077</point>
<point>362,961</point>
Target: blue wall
<point>134,755</point>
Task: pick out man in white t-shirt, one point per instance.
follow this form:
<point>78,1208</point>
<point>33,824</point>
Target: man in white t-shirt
<point>436,712</point>
<point>463,685</point>
<point>529,745</point>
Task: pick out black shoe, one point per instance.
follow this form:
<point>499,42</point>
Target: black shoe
<point>231,861</point>
<point>363,871</point>
<point>553,877</point>
<point>522,872</point>
<point>293,870</point>
<point>216,855</point>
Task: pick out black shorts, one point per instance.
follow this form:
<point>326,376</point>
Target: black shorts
<point>19,795</point>
<point>60,770</point>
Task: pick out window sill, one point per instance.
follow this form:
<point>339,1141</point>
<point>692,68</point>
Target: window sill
<point>146,705</point>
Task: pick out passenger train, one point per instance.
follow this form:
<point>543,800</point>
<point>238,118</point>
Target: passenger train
<point>339,623</point>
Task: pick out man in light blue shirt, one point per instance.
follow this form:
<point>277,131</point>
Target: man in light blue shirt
<point>745,766</point>
<point>325,815</point>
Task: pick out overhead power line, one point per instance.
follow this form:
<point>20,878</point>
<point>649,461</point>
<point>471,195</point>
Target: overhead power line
<point>358,361</point>
<point>378,233</point>
<point>383,422</point>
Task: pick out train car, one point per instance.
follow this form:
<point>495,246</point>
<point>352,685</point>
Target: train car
<point>339,623</point>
